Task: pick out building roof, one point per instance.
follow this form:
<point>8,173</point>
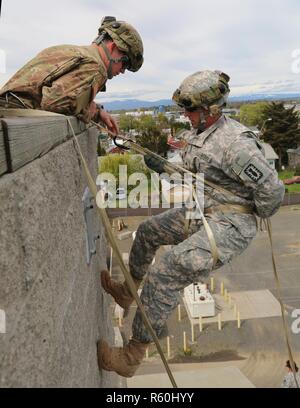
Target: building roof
<point>115,149</point>
<point>295,151</point>
<point>270,153</point>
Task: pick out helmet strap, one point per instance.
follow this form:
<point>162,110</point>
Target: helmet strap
<point>110,59</point>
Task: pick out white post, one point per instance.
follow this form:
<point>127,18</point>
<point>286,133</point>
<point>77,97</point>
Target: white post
<point>219,322</point>
<point>222,288</point>
<point>235,310</point>
<point>212,284</point>
<point>225,295</point>
<point>168,347</point>
<point>184,341</point>
<point>238,320</point>
<point>2,322</point>
<point>200,324</point>
<point>179,313</point>
<point>193,333</point>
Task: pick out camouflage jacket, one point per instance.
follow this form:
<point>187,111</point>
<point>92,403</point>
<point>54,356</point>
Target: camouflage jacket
<point>229,155</point>
<point>63,79</point>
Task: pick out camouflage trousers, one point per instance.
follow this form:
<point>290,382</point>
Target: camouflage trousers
<point>188,261</point>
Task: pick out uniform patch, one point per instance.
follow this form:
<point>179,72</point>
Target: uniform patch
<point>253,173</point>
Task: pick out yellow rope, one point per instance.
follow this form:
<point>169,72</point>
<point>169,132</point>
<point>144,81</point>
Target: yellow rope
<point>127,276</point>
<point>269,229</point>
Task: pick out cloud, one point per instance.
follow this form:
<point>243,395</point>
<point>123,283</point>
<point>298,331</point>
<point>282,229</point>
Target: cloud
<point>251,40</point>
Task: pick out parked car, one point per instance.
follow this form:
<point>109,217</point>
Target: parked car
<point>288,182</point>
<point>294,180</point>
<point>297,179</point>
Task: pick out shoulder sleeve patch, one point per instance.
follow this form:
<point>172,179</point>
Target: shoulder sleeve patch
<point>253,172</point>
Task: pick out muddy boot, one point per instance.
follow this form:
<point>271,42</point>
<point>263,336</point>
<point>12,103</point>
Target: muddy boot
<point>123,360</point>
<point>119,291</point>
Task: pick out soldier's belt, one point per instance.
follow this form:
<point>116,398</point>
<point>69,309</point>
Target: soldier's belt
<point>232,208</point>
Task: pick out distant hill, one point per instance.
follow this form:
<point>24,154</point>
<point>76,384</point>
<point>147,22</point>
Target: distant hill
<point>129,104</point>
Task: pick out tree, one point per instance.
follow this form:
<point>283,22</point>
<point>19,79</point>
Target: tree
<point>176,126</point>
<point>135,164</point>
<point>283,131</point>
<point>127,122</point>
<point>252,114</point>
<point>150,135</point>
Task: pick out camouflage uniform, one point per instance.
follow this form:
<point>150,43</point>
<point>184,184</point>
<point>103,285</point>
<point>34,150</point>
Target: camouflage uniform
<point>229,155</point>
<point>63,79</point>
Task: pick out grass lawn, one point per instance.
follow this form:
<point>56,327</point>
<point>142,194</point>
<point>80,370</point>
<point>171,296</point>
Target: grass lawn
<point>287,174</point>
<point>294,188</point>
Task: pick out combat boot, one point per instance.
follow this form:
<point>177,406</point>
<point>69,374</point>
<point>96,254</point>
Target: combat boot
<point>119,291</point>
<point>123,360</point>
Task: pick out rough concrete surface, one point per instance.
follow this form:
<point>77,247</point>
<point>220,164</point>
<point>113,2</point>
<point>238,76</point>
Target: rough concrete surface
<point>54,305</point>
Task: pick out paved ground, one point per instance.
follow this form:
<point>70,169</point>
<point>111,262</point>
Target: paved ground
<point>194,377</point>
<point>259,345</point>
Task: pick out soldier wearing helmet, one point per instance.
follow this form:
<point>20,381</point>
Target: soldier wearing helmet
<point>205,92</point>
<point>66,78</point>
<point>230,156</point>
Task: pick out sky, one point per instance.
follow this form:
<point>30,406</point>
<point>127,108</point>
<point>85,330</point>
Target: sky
<point>256,42</point>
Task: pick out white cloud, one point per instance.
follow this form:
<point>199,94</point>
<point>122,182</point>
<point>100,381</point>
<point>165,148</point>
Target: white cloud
<point>251,40</point>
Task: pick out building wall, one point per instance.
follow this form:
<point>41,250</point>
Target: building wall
<point>294,160</point>
<point>53,301</point>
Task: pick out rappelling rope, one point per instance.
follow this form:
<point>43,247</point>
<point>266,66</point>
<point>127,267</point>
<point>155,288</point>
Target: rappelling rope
<point>127,276</point>
<point>106,223</point>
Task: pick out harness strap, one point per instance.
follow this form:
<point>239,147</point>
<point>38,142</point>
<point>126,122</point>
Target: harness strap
<point>229,208</point>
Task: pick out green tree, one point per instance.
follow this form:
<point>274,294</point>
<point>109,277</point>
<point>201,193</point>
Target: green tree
<point>127,122</point>
<point>135,164</point>
<point>283,131</point>
<point>151,136</point>
<point>252,114</point>
<point>176,126</point>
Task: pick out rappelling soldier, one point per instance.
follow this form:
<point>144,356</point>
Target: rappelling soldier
<point>231,157</point>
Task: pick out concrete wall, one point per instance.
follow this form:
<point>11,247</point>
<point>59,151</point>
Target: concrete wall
<point>54,305</point>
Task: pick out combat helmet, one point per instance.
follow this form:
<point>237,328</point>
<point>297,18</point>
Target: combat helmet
<point>203,89</point>
<point>126,38</point>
